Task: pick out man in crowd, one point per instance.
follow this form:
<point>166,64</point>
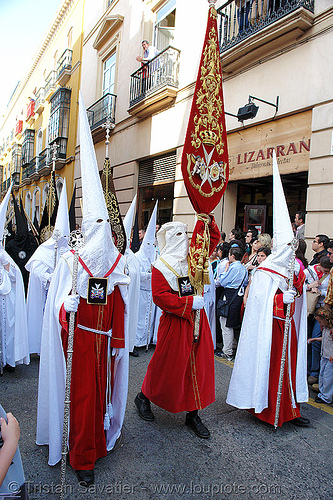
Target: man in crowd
<point>319,246</point>
<point>300,225</point>
<point>232,277</point>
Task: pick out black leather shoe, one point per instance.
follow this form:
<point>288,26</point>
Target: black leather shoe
<point>9,369</point>
<point>300,422</point>
<point>143,405</point>
<point>85,477</point>
<point>135,352</point>
<point>196,424</point>
<point>321,401</point>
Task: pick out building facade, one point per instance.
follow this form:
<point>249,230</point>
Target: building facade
<point>277,93</point>
<point>38,131</point>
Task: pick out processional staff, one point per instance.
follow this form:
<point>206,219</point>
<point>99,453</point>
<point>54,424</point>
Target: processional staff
<point>294,246</point>
<point>76,241</point>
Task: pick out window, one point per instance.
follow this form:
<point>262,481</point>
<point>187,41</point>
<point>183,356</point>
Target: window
<point>45,193</point>
<point>70,38</point>
<point>27,205</point>
<point>165,25</point>
<point>109,71</point>
<point>35,213</point>
<point>27,147</point>
<point>59,120</point>
<point>39,142</point>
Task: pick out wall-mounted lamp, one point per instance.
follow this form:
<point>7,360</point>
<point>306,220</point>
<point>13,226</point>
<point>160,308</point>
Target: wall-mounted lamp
<point>250,110</point>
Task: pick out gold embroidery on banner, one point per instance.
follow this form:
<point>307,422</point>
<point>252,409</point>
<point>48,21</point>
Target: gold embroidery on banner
<point>207,122</point>
<point>198,258</point>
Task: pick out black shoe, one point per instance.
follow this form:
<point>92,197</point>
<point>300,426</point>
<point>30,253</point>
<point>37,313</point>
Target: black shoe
<point>85,477</point>
<point>300,422</point>
<point>321,401</point>
<point>143,405</point>
<point>135,352</point>
<point>196,424</point>
<point>9,369</point>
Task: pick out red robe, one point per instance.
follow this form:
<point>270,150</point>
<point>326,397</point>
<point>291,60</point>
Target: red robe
<point>180,375</point>
<point>287,411</point>
<point>89,375</point>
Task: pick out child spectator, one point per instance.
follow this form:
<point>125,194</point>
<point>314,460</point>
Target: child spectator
<point>324,317</point>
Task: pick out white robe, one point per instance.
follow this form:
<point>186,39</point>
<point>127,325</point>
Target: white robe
<point>209,297</point>
<point>13,316</point>
<point>52,370</point>
<point>133,295</point>
<point>250,376</point>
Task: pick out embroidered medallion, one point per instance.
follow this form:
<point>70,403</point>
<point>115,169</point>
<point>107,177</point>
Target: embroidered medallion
<point>185,287</point>
<point>97,291</point>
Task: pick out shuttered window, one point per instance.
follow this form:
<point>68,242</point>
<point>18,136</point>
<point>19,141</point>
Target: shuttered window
<point>157,169</point>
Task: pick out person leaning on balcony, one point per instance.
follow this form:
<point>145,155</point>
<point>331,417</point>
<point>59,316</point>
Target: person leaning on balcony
<point>149,52</point>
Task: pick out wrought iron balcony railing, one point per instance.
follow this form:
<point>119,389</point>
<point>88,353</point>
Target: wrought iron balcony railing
<point>50,81</point>
<point>29,170</point>
<point>64,62</point>
<point>43,159</point>
<point>102,109</point>
<point>239,19</point>
<point>162,70</point>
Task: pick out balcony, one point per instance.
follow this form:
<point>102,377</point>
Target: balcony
<point>154,86</point>
<point>50,85</point>
<point>258,27</point>
<point>16,179</point>
<point>28,172</point>
<point>98,114</point>
<point>43,162</point>
<point>64,67</point>
<point>39,102</point>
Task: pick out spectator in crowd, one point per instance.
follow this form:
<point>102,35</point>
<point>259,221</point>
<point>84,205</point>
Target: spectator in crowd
<point>300,254</point>
<point>265,240</point>
<point>235,234</point>
<point>252,260</point>
<point>261,254</point>
<point>319,246</point>
<point>224,246</point>
<point>317,278</point>
<point>250,236</point>
<point>233,277</point>
<point>324,317</point>
<point>142,233</point>
<point>10,434</point>
<point>300,225</point>
<point>330,250</point>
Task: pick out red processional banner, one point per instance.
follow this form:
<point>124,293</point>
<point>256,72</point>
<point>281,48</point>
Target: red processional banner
<point>205,165</point>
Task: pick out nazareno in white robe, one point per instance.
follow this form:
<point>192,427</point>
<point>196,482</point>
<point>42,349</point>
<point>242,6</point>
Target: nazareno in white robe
<point>52,371</point>
<point>13,315</point>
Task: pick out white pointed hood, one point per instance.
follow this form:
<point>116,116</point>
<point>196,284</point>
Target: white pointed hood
<point>173,245</point>
<point>147,252</point>
<point>128,223</point>
<point>3,211</point>
<point>280,258</point>
<point>99,252</point>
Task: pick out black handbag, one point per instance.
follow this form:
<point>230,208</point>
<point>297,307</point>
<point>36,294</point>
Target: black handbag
<point>223,304</point>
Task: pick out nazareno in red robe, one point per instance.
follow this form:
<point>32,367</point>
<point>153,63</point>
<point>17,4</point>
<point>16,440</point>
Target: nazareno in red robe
<point>89,376</point>
<point>287,411</point>
<point>180,375</point>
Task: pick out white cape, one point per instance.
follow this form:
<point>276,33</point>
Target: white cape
<point>250,376</point>
<point>52,371</point>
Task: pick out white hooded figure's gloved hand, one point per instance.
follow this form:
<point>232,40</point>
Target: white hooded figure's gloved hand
<point>289,296</point>
<point>198,302</point>
<point>71,303</point>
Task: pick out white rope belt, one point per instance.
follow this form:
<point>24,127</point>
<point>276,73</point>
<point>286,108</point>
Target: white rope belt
<point>108,333</point>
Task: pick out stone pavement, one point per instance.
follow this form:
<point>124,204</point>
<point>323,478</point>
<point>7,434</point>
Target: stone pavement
<point>244,458</point>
